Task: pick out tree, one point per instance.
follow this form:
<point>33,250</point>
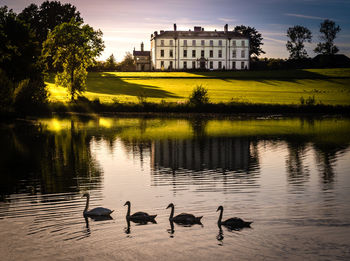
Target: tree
<point>298,35</point>
<point>45,18</point>
<point>72,47</point>
<point>255,39</point>
<point>128,63</point>
<point>199,96</point>
<point>329,30</point>
<point>19,50</point>
<point>21,77</point>
<point>111,63</point>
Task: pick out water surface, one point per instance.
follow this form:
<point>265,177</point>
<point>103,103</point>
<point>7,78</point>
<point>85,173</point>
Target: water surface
<point>288,175</point>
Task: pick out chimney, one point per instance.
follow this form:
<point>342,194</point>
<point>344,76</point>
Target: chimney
<point>155,33</point>
<point>161,31</point>
<point>202,29</point>
<point>197,28</point>
<point>174,27</point>
<point>142,47</point>
<point>226,28</point>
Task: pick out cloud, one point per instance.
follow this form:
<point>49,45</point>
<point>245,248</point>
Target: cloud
<point>226,20</point>
<point>274,40</point>
<point>307,16</point>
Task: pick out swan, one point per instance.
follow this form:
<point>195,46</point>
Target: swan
<point>139,217</point>
<point>232,222</point>
<point>183,218</point>
<point>96,211</point>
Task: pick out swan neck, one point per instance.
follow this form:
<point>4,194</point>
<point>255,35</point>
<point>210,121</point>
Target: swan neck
<point>220,216</point>
<point>87,204</point>
<point>172,212</point>
<point>128,213</point>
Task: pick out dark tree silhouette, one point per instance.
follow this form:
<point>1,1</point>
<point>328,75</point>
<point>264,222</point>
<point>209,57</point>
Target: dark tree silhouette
<point>21,75</point>
<point>111,63</point>
<point>329,30</point>
<point>128,63</point>
<point>255,39</point>
<point>298,35</point>
<point>46,17</point>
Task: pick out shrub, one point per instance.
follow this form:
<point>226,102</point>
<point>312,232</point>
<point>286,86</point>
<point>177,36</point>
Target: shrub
<point>199,96</point>
<point>6,92</point>
<point>310,100</point>
<point>142,98</point>
<point>31,95</point>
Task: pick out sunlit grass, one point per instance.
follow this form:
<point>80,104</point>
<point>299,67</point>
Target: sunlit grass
<point>328,86</point>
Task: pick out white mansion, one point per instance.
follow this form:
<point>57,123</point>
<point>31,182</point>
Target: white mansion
<point>199,49</point>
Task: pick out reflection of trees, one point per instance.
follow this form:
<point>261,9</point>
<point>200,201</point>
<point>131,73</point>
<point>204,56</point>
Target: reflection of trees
<point>138,148</point>
<point>326,156</point>
<point>34,159</point>
<point>199,127</point>
<point>297,172</point>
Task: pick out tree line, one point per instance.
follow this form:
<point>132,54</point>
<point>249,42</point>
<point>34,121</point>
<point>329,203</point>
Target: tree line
<point>53,38</point>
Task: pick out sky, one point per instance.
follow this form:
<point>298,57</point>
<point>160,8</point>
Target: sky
<point>127,23</point>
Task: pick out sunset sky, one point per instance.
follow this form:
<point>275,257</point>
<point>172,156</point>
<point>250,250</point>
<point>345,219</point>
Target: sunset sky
<point>126,23</point>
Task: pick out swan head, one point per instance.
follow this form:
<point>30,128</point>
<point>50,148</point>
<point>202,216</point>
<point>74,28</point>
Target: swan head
<point>171,205</point>
<point>127,203</point>
<point>86,195</point>
<point>220,208</point>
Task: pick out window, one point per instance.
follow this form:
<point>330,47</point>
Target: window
<point>171,42</point>
<point>234,54</point>
<point>161,42</point>
<point>219,65</point>
<point>233,65</point>
<point>171,65</point>
<point>185,53</point>
<point>185,42</point>
<point>243,54</point>
<point>194,42</point>
<point>211,42</point>
<point>242,65</point>
<point>193,64</point>
<point>211,64</point>
<point>202,42</point>
<point>202,53</point>
<point>220,53</point>
<point>193,53</point>
<point>211,54</point>
<point>161,53</point>
<point>243,43</point>
<point>185,65</point>
<point>162,64</point>
<point>234,43</point>
<point>170,53</point>
<point>220,42</point>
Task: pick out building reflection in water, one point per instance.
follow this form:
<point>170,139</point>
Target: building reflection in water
<point>206,160</point>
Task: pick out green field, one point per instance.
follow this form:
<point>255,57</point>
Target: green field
<point>328,86</point>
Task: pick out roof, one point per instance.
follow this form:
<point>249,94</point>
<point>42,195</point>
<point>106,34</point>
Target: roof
<point>199,34</point>
<point>141,53</point>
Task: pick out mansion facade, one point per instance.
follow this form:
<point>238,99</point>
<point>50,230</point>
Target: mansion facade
<point>199,49</point>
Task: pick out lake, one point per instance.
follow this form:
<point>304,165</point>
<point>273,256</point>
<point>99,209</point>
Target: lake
<point>289,175</point>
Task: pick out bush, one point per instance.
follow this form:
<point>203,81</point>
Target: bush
<point>6,92</point>
<point>199,96</point>
<point>31,95</point>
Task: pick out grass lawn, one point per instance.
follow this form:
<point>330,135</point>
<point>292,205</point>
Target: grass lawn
<point>328,86</point>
